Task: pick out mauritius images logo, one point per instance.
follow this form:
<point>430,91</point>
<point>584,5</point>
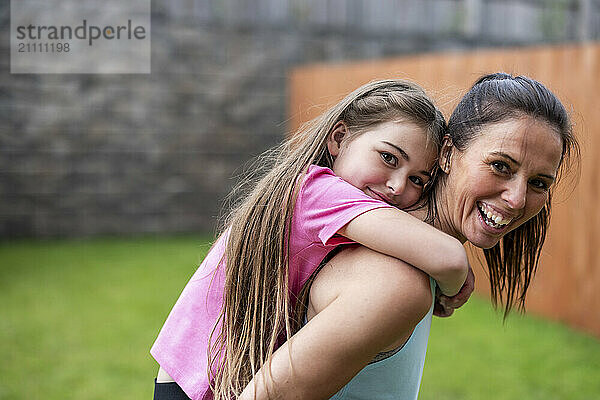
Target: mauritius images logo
<point>80,36</point>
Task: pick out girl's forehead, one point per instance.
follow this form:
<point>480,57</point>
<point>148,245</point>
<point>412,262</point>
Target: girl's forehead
<point>404,137</point>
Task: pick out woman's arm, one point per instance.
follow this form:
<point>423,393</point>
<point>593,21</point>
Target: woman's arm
<point>400,235</point>
<point>374,301</point>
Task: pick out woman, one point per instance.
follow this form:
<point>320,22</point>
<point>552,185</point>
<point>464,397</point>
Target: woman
<point>508,141</point>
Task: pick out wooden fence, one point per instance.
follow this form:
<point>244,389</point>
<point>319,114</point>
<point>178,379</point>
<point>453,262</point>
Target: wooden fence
<point>566,287</point>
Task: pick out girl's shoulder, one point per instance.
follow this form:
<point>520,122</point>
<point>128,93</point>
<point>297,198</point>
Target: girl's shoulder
<point>316,174</point>
<point>320,186</point>
<point>316,170</point>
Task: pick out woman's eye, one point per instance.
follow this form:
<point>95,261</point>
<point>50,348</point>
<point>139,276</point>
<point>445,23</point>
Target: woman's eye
<point>539,184</point>
<point>501,167</point>
<point>389,158</point>
<point>417,181</point>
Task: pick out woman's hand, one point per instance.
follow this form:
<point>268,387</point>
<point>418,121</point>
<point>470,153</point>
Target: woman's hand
<point>445,306</point>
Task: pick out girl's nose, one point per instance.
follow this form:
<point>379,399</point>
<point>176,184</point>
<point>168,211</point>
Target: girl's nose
<point>397,185</point>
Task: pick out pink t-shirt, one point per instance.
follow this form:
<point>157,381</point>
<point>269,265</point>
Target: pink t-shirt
<point>324,205</point>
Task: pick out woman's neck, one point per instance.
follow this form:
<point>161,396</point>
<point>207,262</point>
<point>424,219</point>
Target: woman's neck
<point>442,220</point>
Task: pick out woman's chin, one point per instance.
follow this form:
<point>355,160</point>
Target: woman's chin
<point>485,244</point>
<point>482,241</point>
<point>483,236</point>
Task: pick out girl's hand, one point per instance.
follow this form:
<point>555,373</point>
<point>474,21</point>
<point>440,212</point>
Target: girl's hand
<point>445,306</point>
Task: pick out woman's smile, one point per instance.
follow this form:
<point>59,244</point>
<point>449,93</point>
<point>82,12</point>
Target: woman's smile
<point>492,219</point>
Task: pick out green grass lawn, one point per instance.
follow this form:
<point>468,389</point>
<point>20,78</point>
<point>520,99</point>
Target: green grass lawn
<point>78,319</point>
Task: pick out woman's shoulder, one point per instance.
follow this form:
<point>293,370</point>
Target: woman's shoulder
<point>389,283</point>
<point>377,299</point>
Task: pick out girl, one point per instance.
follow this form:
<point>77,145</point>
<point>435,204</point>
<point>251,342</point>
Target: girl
<point>340,180</point>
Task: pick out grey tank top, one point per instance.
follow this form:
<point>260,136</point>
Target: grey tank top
<point>396,376</point>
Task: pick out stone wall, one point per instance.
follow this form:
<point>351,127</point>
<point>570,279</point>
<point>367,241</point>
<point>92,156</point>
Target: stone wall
<point>84,155</point>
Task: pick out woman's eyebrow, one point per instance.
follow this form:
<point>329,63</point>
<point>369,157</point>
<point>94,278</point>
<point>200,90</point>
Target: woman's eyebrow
<point>551,177</point>
<point>402,152</point>
<point>501,154</point>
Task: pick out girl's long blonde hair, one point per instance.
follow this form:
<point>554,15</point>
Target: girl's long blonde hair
<point>257,308</point>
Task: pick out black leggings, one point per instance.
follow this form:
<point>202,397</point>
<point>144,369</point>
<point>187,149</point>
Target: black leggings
<point>168,391</point>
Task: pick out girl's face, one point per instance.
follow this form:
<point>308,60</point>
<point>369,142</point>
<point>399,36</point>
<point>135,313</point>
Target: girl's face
<point>500,180</point>
<point>390,162</point>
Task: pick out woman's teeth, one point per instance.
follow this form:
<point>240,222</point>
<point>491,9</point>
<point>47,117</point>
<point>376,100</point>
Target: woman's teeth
<point>492,219</point>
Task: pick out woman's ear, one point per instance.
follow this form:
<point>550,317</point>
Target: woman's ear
<point>445,159</point>
<point>335,138</point>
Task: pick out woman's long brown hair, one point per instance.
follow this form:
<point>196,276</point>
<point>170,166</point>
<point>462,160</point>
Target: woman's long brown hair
<point>257,312</point>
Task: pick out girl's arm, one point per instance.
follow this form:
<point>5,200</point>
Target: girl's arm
<point>398,234</point>
<point>368,310</point>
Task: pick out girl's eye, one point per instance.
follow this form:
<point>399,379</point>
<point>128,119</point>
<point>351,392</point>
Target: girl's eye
<point>501,167</point>
<point>539,184</point>
<point>389,158</point>
<point>416,180</point>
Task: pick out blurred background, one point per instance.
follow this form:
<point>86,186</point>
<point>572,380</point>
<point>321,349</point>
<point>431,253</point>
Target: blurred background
<point>111,185</point>
<point>129,154</point>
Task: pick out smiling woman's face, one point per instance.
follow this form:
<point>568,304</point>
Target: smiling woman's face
<point>500,180</point>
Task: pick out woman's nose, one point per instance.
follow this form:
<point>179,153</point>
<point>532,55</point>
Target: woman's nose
<point>515,193</point>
